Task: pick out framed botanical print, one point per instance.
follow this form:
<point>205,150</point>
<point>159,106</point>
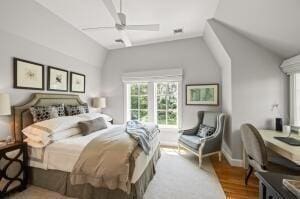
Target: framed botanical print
<point>57,79</point>
<point>202,94</point>
<point>28,75</point>
<point>77,82</point>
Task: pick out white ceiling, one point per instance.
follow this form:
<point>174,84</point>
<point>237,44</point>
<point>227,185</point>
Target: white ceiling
<point>272,23</point>
<point>190,15</point>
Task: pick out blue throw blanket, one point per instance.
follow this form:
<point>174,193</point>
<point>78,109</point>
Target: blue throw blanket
<point>141,134</point>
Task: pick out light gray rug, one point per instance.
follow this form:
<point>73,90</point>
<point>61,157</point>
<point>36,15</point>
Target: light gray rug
<point>177,177</point>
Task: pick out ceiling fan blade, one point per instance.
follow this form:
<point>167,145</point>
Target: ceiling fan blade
<point>125,38</point>
<point>98,28</point>
<point>112,10</point>
<point>150,27</point>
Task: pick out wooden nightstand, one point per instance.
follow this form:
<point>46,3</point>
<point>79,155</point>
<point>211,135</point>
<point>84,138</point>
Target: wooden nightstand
<point>13,168</point>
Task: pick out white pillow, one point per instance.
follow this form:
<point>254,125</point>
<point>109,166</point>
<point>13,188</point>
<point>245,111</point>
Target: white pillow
<point>54,125</point>
<point>42,138</point>
<point>65,134</point>
<point>34,143</point>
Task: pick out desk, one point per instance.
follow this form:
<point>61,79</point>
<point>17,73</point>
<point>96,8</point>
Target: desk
<point>289,152</point>
<point>271,186</point>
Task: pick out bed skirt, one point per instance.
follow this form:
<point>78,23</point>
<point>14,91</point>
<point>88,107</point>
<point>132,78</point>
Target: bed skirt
<point>59,181</point>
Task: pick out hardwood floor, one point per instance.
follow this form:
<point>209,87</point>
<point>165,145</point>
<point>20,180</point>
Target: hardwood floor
<point>232,180</point>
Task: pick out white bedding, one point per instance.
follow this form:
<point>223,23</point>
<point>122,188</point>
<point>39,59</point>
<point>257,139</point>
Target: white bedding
<point>63,154</point>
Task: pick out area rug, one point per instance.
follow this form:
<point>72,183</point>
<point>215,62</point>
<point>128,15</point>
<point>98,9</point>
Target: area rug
<point>178,177</point>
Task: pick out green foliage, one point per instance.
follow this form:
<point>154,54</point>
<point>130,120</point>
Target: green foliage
<point>161,117</point>
<point>202,94</point>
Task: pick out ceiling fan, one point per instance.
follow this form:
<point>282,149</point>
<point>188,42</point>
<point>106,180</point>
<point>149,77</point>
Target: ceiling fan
<point>120,23</point>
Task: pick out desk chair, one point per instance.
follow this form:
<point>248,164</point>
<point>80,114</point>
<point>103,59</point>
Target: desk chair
<point>257,156</point>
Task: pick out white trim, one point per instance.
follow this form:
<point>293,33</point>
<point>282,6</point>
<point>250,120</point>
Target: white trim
<point>292,98</point>
<point>154,75</point>
<point>232,161</point>
<point>291,65</point>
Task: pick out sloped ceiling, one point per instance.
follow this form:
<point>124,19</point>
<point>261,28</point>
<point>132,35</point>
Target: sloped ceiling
<point>170,14</point>
<point>275,24</point>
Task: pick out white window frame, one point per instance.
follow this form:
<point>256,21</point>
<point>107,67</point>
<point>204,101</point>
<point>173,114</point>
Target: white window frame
<point>178,106</point>
<point>152,77</point>
<point>128,94</point>
<point>292,67</point>
<point>294,118</point>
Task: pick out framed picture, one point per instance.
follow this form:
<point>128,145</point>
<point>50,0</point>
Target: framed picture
<point>202,94</point>
<point>28,75</point>
<point>57,79</point>
<point>77,82</point>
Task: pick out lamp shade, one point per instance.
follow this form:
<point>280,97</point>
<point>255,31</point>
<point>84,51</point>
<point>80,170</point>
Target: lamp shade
<point>4,104</point>
<point>99,102</point>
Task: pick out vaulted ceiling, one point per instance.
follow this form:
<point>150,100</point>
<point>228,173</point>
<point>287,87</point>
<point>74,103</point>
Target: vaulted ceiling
<point>190,15</point>
<point>275,24</point>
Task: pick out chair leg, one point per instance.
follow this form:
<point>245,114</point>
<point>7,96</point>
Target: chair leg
<point>220,156</point>
<point>249,172</point>
<point>200,162</point>
<point>178,147</point>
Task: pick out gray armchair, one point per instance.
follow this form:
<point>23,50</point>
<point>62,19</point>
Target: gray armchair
<point>207,146</point>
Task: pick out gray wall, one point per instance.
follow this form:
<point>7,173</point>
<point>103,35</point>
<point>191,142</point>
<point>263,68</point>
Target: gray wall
<point>257,84</point>
<point>31,21</point>
<point>191,54</point>
<point>25,30</point>
<point>224,62</point>
<point>269,22</point>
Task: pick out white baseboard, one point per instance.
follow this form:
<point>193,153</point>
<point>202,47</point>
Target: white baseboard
<point>232,161</point>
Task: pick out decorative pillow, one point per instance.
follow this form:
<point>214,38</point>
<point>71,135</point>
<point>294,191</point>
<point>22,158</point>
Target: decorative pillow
<point>91,116</point>
<point>86,107</point>
<point>91,126</point>
<point>41,113</point>
<point>76,110</point>
<point>205,131</point>
<point>60,109</point>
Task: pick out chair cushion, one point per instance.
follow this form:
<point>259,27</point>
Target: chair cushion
<point>210,119</point>
<point>205,131</point>
<point>191,141</point>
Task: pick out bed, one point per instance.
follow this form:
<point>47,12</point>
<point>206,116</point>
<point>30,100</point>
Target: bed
<point>50,167</point>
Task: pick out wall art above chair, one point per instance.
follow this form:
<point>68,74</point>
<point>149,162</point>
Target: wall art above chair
<point>202,94</point>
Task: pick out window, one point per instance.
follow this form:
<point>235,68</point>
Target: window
<point>166,109</point>
<point>295,99</point>
<point>138,101</point>
<point>153,102</point>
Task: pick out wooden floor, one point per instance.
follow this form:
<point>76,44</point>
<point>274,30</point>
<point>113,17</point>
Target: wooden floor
<point>232,180</point>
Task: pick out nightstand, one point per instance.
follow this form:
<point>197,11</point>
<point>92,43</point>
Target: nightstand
<point>13,168</point>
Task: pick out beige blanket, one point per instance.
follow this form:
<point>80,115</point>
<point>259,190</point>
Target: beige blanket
<point>107,161</point>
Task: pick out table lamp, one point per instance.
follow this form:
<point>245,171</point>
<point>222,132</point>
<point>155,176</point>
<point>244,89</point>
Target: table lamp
<point>99,102</point>
<point>4,104</point>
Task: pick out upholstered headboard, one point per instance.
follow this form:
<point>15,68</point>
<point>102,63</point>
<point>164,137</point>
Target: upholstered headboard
<point>23,117</point>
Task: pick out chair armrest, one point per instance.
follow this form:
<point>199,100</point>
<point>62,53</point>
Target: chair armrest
<point>211,144</point>
<point>192,131</point>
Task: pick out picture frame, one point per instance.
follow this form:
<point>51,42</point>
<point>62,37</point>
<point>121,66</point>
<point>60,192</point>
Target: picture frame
<point>77,82</point>
<point>28,75</point>
<point>57,79</point>
<point>202,94</point>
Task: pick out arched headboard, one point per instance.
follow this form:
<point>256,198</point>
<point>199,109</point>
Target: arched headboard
<point>23,117</point>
